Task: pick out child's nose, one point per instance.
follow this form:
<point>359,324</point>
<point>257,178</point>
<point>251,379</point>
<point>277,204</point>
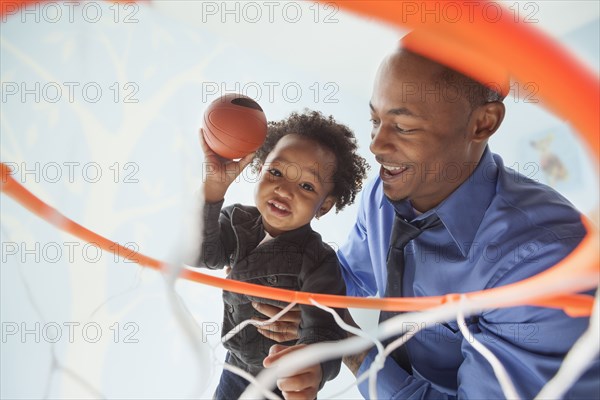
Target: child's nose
<point>283,191</point>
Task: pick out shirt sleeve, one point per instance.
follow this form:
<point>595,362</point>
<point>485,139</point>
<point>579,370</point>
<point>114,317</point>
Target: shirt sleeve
<point>354,255</point>
<point>395,383</point>
<point>530,342</point>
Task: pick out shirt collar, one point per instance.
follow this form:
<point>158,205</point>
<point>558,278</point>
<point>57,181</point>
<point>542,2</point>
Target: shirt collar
<point>462,211</point>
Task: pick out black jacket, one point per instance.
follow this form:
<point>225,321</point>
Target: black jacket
<point>295,260</point>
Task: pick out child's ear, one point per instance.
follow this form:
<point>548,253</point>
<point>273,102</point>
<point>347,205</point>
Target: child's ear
<point>327,204</point>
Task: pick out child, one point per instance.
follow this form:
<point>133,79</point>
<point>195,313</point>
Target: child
<point>307,165</point>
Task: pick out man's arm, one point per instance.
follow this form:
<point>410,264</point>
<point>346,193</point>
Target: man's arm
<point>530,342</point>
<point>353,361</point>
<point>393,382</point>
<point>356,255</point>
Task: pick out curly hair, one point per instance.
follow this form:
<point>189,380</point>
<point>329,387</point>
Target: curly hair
<point>351,169</point>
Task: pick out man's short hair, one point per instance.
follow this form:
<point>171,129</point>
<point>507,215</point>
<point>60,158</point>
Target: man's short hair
<point>476,93</point>
<point>482,83</point>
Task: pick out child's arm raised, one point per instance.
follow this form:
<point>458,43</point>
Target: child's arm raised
<point>218,239</point>
<point>219,173</point>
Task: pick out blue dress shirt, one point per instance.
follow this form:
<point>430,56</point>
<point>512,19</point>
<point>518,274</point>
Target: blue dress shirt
<point>498,227</point>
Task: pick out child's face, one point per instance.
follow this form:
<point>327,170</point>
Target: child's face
<point>295,184</point>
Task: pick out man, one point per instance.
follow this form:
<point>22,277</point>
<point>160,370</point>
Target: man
<point>493,227</point>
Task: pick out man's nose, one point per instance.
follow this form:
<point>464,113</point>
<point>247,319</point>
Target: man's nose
<point>381,141</point>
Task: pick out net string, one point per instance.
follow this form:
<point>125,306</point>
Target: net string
<point>456,302</point>
<point>580,356</point>
<point>238,328</point>
<point>379,359</point>
<point>550,285</point>
<point>55,364</point>
<point>321,352</point>
<point>575,273</point>
<point>508,388</point>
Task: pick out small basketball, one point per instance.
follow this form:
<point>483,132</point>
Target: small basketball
<point>234,125</point>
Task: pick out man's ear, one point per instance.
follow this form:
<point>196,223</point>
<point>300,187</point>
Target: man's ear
<point>327,204</point>
<point>487,118</point>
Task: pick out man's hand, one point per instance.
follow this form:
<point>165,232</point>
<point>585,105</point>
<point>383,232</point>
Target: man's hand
<point>303,384</point>
<point>219,172</point>
<point>354,361</point>
<point>285,328</point>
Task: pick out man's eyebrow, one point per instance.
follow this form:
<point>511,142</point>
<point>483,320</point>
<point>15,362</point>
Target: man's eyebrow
<point>399,111</point>
<point>313,171</point>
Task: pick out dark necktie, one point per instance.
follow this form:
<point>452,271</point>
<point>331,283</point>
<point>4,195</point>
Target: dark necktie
<point>402,233</point>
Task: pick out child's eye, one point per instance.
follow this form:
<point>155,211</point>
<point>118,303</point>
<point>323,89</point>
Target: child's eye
<point>274,171</point>
<point>307,186</point>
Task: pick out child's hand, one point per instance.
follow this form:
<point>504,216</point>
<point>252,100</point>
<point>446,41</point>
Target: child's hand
<point>302,384</point>
<point>219,172</point>
<point>285,328</point>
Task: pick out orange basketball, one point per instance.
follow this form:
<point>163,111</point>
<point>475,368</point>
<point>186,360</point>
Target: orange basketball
<point>234,125</point>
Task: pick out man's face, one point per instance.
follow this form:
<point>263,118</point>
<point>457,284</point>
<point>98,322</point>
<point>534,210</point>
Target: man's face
<point>420,132</point>
<point>295,184</point>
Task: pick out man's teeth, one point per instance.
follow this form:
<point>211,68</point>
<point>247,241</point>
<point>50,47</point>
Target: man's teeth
<point>390,168</point>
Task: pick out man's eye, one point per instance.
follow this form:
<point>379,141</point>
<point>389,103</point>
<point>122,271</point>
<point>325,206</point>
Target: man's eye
<point>274,172</point>
<point>402,130</point>
<point>307,186</point>
<point>374,122</point>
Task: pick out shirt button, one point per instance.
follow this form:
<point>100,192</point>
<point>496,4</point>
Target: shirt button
<point>229,308</point>
<point>272,279</point>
